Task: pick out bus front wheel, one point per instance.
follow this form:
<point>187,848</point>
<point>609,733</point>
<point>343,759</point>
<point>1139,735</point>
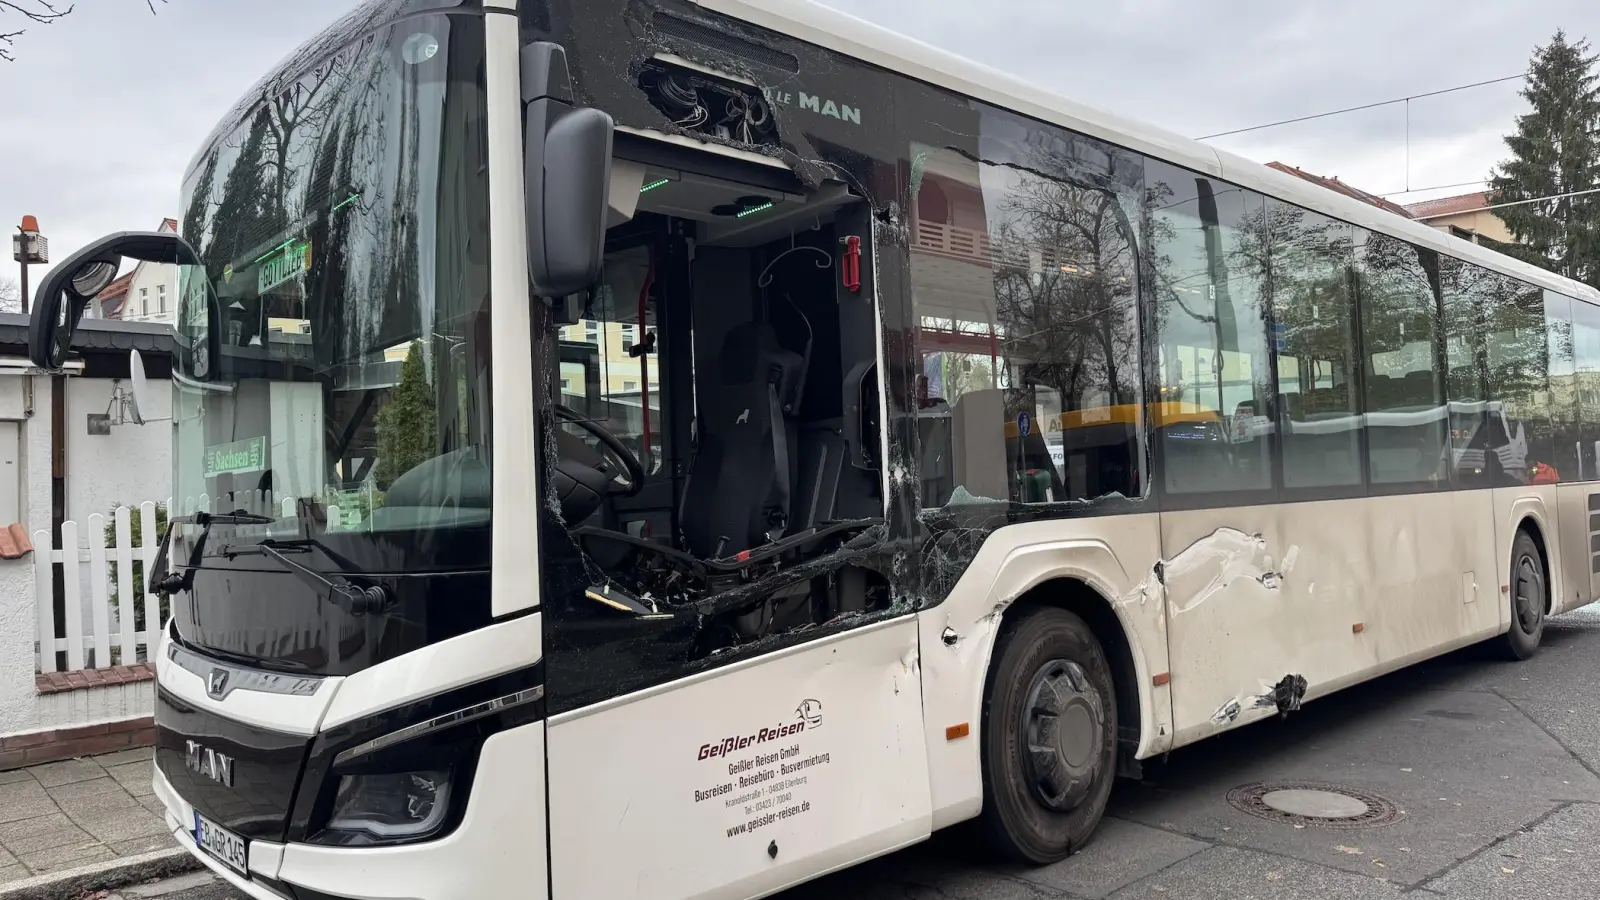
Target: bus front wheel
<point>1530,596</point>
<point>1049,738</point>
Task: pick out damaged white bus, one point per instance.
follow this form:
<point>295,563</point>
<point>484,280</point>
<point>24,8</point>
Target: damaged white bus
<point>654,448</point>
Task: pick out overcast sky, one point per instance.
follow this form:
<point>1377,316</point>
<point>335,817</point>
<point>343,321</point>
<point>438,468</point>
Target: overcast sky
<point>102,110</point>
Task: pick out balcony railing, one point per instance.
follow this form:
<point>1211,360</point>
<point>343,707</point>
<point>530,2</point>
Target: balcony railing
<point>967,245</point>
<point>951,242</point>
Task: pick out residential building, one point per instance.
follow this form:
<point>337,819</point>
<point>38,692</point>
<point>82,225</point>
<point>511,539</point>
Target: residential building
<point>103,461</point>
<point>114,299</point>
<point>1464,216</point>
<point>149,293</point>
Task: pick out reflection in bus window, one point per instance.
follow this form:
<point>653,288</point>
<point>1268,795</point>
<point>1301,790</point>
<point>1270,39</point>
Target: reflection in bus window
<point>1025,275</point>
<point>1562,399</point>
<point>1212,420</point>
<point>1586,362</point>
<point>1313,311</point>
<point>1406,415</point>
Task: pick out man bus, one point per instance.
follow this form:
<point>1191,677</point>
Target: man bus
<point>565,506</point>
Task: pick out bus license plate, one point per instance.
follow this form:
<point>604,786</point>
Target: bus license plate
<point>222,844</point>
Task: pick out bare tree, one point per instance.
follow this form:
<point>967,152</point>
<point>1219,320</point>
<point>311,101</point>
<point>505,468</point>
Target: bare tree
<point>40,12</point>
<point>10,294</point>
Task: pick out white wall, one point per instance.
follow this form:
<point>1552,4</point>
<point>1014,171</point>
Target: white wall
<point>130,465</point>
<point>18,622</point>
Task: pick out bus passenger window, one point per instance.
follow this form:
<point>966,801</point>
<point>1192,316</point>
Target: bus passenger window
<point>1312,313</point>
<point>1212,419</point>
<point>1025,274</point>
<point>1405,413</point>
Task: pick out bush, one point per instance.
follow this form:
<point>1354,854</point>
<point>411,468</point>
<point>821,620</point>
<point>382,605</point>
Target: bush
<point>136,528</point>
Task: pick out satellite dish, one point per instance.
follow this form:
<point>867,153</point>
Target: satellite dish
<point>140,390</point>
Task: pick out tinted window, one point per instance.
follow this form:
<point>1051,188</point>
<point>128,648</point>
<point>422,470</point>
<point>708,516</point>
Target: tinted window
<point>1208,259</point>
<point>1317,368</point>
<point>1518,385</point>
<point>1563,397</point>
<point>1467,300</point>
<point>1586,360</point>
<point>1404,366</point>
<point>1025,275</point>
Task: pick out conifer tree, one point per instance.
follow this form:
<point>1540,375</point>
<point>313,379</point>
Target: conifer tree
<point>407,428</point>
<point>1555,150</point>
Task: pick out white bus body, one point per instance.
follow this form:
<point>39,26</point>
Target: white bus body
<point>980,558</point>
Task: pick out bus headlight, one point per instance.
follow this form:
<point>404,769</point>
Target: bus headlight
<point>387,807</point>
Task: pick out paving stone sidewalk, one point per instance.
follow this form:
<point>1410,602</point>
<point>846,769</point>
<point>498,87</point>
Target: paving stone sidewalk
<point>78,812</point>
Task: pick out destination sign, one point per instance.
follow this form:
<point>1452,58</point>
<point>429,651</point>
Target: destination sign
<point>287,265</point>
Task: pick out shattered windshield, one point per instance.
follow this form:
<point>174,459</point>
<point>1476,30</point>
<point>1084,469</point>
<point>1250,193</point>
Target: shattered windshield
<point>335,370</point>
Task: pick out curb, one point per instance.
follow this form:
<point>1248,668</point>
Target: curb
<point>70,884</point>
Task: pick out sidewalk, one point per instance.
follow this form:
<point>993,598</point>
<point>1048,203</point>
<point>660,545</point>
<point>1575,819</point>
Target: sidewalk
<point>76,813</point>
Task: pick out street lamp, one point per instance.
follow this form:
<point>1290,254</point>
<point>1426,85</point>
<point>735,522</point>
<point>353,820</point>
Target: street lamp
<point>28,246</point>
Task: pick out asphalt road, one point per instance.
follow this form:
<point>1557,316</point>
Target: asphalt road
<point>1494,768</point>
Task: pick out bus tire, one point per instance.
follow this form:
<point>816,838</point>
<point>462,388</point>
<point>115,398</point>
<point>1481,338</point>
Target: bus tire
<point>1049,738</point>
<point>1530,597</point>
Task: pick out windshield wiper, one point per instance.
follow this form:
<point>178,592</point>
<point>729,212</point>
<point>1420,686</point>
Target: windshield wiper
<point>170,583</point>
<point>338,590</point>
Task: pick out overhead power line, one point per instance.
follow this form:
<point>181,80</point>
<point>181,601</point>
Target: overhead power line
<point>1436,187</point>
<point>1494,206</point>
<point>1339,112</point>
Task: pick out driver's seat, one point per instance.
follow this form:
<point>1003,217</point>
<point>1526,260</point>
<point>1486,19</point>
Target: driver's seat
<point>738,492</point>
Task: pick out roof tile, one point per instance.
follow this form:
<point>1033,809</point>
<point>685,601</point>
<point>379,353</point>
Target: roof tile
<point>1334,184</point>
<point>1449,206</point>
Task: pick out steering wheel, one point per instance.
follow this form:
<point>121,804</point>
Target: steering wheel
<point>613,448</point>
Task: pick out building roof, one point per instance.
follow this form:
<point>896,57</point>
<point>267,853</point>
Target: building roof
<point>98,334</point>
<point>1334,184</point>
<point>102,344</point>
<point>1449,206</point>
<point>115,297</point>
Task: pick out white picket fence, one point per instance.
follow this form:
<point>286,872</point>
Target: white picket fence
<point>111,619</point>
<point>87,581</point>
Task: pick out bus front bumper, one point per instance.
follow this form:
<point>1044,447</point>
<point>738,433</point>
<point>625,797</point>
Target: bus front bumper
<point>497,851</point>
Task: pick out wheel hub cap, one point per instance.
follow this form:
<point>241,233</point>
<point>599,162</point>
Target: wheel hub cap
<point>1530,594</point>
<point>1063,730</point>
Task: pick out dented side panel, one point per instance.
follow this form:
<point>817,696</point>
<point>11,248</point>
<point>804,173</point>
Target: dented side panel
<point>1284,603</point>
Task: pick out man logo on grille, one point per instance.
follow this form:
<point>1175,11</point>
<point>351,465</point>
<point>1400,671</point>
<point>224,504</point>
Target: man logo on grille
<point>217,683</point>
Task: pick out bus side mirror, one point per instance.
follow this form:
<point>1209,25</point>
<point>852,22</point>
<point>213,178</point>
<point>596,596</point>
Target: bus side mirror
<point>70,287</point>
<point>567,177</point>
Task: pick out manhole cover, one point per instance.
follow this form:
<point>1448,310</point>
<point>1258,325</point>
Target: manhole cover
<point>1321,805</point>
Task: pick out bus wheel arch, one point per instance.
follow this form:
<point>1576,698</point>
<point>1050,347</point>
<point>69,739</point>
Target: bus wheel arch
<point>1059,621</point>
<point>1535,530</point>
<point>1530,596</point>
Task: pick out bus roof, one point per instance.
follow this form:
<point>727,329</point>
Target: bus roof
<point>875,45</point>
